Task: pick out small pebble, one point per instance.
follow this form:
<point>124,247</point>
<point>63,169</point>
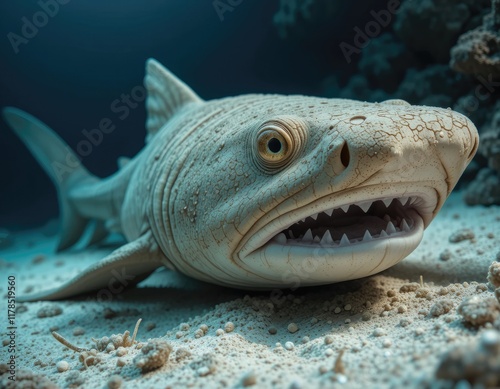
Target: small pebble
<point>62,366</point>
<point>387,343</point>
<point>229,327</point>
<point>115,382</point>
<point>379,332</point>
<point>292,328</point>
<point>328,339</point>
<point>120,362</point>
<point>289,345</point>
<point>272,331</point>
<point>219,332</point>
<point>348,307</point>
<point>249,379</point>
<point>328,352</point>
<point>204,328</point>
<point>78,331</point>
<point>203,371</point>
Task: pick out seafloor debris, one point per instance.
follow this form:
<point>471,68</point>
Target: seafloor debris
<point>90,357</point>
<point>24,379</point>
<point>479,310</point>
<point>153,355</point>
<point>479,364</point>
<point>49,311</point>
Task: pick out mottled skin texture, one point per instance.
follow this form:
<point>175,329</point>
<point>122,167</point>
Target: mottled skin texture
<point>198,199</point>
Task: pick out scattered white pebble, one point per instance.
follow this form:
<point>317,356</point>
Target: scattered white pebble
<point>203,371</point>
<point>229,326</point>
<point>289,345</point>
<point>62,366</point>
<point>386,343</point>
<point>328,339</point>
<point>292,328</point>
<point>219,332</point>
<point>337,310</point>
<point>328,352</point>
<point>379,332</point>
<point>348,307</point>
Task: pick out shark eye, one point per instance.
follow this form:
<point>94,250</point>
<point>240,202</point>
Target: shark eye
<point>273,145</point>
<point>277,142</point>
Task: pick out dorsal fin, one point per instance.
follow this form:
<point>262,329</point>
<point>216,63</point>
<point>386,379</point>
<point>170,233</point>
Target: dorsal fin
<point>166,95</point>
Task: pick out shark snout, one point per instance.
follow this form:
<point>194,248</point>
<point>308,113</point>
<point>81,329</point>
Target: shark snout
<point>406,144</point>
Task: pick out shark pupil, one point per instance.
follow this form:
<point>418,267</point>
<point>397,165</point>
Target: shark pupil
<point>274,145</point>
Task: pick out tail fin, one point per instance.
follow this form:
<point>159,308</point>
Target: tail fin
<point>61,164</point>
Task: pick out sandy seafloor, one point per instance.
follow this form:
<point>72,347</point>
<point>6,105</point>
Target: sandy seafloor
<point>389,337</point>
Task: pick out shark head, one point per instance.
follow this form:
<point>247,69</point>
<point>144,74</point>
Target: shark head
<point>282,191</point>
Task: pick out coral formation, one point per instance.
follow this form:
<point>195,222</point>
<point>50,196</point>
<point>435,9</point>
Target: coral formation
<point>485,188</point>
<point>478,310</point>
<point>438,22</point>
<point>479,365</point>
<point>477,52</point>
<point>153,355</point>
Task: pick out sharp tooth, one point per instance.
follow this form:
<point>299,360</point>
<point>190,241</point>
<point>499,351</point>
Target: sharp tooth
<point>290,233</point>
<point>387,218</point>
<point>404,200</point>
<point>365,206</point>
<point>316,239</point>
<point>387,202</point>
<point>344,241</point>
<point>345,208</point>
<point>327,240</point>
<point>329,212</point>
<point>405,226</point>
<point>308,236</point>
<point>315,216</point>
<point>367,236</point>
<point>383,234</point>
<point>280,238</point>
<point>390,228</point>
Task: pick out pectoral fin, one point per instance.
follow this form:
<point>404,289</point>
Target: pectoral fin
<point>124,267</point>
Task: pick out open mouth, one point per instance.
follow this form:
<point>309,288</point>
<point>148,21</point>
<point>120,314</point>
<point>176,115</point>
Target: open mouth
<point>355,223</point>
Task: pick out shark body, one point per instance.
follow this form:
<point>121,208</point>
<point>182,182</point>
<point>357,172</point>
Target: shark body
<point>260,191</point>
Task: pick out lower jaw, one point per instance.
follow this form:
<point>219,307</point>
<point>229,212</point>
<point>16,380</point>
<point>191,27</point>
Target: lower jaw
<point>285,266</point>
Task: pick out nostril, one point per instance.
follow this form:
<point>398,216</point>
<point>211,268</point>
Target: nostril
<point>345,155</point>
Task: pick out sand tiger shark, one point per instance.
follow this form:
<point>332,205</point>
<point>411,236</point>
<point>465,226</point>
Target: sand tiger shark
<point>257,190</point>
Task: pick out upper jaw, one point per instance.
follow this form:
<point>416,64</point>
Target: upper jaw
<point>308,225</point>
